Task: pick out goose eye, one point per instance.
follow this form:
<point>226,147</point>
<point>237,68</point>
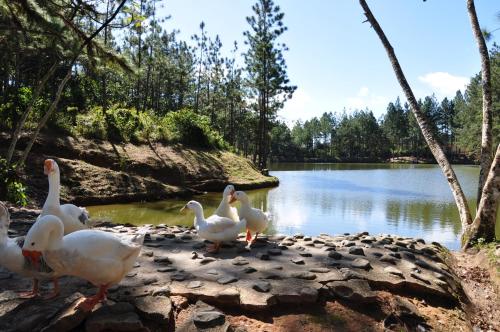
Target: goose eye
<point>32,243</point>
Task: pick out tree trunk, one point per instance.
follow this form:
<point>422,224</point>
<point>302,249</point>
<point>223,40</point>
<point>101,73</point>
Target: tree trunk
<point>44,119</point>
<point>24,116</point>
<point>423,123</point>
<point>486,136</point>
<point>485,221</point>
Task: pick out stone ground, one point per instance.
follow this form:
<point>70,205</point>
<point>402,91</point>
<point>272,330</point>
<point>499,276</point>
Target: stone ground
<point>349,282</point>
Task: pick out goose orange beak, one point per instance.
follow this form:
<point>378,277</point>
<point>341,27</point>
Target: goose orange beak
<point>33,256</point>
<point>47,167</point>
<point>183,210</point>
<point>232,199</point>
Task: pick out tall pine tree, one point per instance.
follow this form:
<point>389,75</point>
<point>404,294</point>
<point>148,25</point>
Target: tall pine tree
<point>266,67</point>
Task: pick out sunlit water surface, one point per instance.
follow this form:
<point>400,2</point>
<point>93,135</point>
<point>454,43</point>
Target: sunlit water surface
<point>410,200</point>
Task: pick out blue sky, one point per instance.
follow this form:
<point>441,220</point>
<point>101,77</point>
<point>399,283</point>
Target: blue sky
<point>338,62</point>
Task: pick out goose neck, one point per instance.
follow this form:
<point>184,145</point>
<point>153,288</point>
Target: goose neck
<point>54,190</point>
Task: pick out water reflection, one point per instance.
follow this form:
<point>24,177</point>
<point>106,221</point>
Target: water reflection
<point>411,200</point>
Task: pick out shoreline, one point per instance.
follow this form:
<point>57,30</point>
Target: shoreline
<point>419,162</point>
<point>317,282</point>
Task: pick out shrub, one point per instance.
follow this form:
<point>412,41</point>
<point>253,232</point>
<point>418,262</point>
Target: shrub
<point>193,129</point>
<point>122,124</point>
<point>91,124</point>
<point>126,124</point>
<point>11,188</point>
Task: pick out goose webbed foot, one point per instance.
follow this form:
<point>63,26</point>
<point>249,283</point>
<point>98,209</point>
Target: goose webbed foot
<point>32,293</point>
<point>90,302</point>
<point>214,248</point>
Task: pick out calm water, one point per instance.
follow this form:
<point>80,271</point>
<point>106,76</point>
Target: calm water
<point>410,200</point>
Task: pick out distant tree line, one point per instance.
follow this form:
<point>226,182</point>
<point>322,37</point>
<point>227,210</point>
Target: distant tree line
<point>359,136</point>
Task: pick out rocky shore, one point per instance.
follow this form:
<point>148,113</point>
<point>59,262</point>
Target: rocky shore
<point>385,281</point>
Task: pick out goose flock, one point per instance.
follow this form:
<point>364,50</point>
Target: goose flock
<point>62,242</point>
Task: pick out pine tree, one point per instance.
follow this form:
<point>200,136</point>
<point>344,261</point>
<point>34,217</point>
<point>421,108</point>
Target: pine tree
<point>266,67</point>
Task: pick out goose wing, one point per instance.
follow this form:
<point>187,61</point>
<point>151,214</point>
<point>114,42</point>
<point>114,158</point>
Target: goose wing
<point>216,224</point>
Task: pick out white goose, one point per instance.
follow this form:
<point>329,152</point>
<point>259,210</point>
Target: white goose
<point>73,217</point>
<point>216,228</point>
<point>225,209</point>
<point>99,257</point>
<point>11,257</point>
<point>257,220</point>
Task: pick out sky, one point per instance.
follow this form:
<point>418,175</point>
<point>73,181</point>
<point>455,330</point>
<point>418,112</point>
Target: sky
<point>337,62</point>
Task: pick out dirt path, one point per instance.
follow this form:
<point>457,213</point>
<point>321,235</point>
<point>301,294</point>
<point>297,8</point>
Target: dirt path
<point>478,272</point>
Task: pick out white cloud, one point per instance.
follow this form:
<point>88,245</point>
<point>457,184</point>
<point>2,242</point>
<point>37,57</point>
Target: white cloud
<point>367,99</point>
<point>363,92</point>
<point>297,107</point>
<point>444,84</point>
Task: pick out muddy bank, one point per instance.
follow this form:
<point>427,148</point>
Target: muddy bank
<point>348,282</point>
<point>99,172</point>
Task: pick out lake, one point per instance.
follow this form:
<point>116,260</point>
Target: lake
<point>404,199</point>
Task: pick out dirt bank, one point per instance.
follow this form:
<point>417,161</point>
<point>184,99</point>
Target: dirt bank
<point>99,172</point>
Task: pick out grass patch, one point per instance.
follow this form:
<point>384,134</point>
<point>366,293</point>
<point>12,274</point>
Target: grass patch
<point>489,249</point>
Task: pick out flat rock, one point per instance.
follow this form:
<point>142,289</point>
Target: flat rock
<point>208,319</point>
<point>303,275</point>
<point>165,290</point>
<point>239,261</point>
<point>335,255</point>
<point>117,317</point>
<point>249,269</point>
<point>33,315</point>
<point>361,263</point>
<point>356,251</point>
<point>194,284</point>
<point>391,247</point>
<point>227,280</point>
<point>157,309</point>
<point>179,276</point>
<point>262,286</point>
<point>319,270</point>
<point>388,259</point>
<point>162,260</point>
<point>394,271</point>
<point>355,290</point>
<point>69,318</point>
<point>422,277</point>
<point>305,254</point>
<point>298,261</point>
<point>207,260</point>
<point>149,280</point>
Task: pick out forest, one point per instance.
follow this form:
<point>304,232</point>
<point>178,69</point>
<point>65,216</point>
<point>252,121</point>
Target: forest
<point>109,70</point>
<point>359,136</point>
